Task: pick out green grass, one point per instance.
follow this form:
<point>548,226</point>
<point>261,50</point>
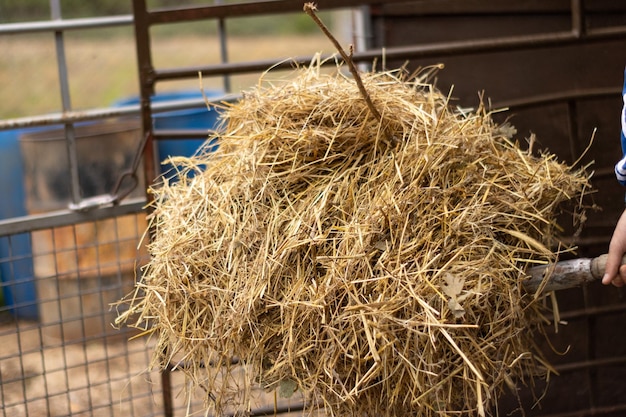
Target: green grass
<point>103,70</point>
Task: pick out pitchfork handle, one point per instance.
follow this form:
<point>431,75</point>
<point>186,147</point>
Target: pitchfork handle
<point>567,274</point>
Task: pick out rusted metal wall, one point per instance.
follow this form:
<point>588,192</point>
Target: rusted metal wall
<point>562,81</point>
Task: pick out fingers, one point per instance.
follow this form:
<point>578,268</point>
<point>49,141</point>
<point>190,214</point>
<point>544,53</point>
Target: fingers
<point>620,280</point>
<point>617,278</point>
<point>614,273</point>
<point>611,272</point>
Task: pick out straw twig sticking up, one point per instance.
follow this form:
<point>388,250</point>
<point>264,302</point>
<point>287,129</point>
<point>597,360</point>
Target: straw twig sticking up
<point>310,9</point>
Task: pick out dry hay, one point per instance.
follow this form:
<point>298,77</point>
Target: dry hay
<point>373,266</point>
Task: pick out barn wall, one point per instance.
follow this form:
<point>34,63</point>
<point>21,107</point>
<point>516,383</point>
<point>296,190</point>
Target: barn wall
<point>595,314</point>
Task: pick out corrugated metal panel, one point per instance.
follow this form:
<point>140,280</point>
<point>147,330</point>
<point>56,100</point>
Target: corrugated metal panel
<point>561,91</point>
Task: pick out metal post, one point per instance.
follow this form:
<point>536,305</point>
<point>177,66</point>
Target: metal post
<point>221,32</point>
<point>146,88</point>
<point>70,136</point>
<point>578,18</point>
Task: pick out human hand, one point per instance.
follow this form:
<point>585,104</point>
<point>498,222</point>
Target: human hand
<point>615,273</point>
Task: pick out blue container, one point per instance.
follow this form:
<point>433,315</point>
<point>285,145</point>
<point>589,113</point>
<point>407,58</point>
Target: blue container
<point>198,118</point>
<point>16,262</point>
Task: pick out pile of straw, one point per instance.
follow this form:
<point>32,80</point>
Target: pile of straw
<point>373,265</point>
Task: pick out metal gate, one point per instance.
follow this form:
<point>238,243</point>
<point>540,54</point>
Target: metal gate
<point>558,66</point>
<point>63,266</point>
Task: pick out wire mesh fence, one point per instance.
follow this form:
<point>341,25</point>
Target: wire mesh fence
<point>60,353</point>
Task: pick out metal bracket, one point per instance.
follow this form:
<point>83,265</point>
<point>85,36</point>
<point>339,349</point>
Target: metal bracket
<point>117,194</point>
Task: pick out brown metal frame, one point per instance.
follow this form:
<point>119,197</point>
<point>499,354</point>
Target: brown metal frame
<point>150,76</point>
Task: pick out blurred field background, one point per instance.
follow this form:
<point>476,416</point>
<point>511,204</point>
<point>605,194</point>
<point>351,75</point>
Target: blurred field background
<point>102,63</point>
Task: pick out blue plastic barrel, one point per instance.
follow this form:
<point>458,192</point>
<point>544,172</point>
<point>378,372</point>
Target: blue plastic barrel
<point>197,118</point>
<point>16,262</point>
